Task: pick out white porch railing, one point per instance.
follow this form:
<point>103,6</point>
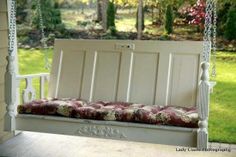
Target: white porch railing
<point>29,92</point>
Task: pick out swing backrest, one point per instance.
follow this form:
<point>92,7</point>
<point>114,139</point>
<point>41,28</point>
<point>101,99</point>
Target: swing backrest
<point>149,72</point>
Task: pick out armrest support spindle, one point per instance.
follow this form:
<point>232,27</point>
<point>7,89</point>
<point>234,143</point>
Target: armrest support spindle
<point>203,107</point>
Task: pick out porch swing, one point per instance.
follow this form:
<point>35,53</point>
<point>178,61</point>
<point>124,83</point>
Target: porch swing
<point>93,82</point>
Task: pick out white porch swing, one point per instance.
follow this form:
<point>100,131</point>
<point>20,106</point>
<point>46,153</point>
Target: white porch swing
<point>171,73</point>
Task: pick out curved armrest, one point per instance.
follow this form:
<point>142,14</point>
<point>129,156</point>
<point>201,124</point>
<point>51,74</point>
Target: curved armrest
<point>29,93</point>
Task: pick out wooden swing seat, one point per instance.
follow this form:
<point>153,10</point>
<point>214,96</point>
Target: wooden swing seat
<point>165,73</point>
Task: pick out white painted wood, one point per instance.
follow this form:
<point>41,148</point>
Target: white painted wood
<point>130,76</point>
<point>181,86</point>
<point>10,95</point>
<point>203,107</point>
<point>149,72</point>
<point>144,77</point>
<point>29,93</point>
<point>212,85</point>
<point>93,76</point>
<point>10,75</point>
<point>134,71</point>
<point>109,130</point>
<point>42,82</point>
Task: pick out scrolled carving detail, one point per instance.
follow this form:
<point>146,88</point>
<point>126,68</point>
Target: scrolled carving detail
<point>97,131</point>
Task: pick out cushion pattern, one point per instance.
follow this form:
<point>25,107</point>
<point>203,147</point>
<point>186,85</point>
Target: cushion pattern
<point>113,111</point>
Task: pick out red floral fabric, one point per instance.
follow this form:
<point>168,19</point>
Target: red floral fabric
<point>113,111</point>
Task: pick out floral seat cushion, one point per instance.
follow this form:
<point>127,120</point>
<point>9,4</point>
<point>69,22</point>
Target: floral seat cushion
<point>113,111</point>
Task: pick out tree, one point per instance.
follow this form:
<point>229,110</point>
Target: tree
<point>21,9</point>
<point>110,14</point>
<point>169,20</point>
<point>230,27</point>
<point>51,16</point>
<point>224,6</point>
<point>99,10</point>
<point>140,19</point>
<point>104,14</point>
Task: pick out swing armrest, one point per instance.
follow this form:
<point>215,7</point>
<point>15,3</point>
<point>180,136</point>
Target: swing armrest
<point>29,91</point>
<point>46,75</point>
<point>212,85</point>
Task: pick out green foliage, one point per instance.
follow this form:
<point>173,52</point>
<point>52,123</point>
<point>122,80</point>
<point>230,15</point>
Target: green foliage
<point>169,20</point>
<point>51,16</point>
<point>113,30</point>
<point>230,32</point>
<point>143,24</point>
<point>111,14</point>
<point>21,10</point>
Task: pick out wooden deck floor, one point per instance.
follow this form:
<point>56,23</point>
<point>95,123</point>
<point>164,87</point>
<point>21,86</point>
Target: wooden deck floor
<point>28,144</point>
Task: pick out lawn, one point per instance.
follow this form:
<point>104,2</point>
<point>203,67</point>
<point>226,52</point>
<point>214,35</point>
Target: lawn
<point>222,121</point>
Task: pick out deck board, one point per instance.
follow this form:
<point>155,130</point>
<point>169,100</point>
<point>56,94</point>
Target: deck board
<point>29,144</point>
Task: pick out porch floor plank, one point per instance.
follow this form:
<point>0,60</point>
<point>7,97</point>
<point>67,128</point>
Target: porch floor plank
<point>29,144</point>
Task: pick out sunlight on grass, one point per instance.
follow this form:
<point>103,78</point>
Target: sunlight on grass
<point>222,123</point>
<point>32,62</point>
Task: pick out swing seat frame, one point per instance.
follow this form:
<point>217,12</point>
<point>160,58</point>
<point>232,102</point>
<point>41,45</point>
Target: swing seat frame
<point>148,72</point>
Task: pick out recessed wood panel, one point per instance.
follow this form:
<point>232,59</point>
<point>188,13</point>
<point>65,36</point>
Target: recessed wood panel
<point>71,74</point>
<point>154,72</point>
<point>143,78</point>
<point>106,76</point>
<point>183,80</point>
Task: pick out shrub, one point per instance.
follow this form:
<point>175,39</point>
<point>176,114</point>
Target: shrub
<point>51,16</point>
<point>230,27</point>
<point>21,9</point>
<point>111,14</point>
<point>169,20</point>
<point>195,14</point>
<point>113,30</point>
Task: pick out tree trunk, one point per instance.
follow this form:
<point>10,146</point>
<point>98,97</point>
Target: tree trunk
<point>152,14</point>
<point>90,4</point>
<point>104,14</point>
<point>29,13</point>
<point>140,14</point>
<point>99,10</point>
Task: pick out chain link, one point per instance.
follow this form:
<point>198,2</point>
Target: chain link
<point>207,31</point>
<point>44,39</point>
<point>210,33</point>
<point>12,27</point>
<point>214,39</point>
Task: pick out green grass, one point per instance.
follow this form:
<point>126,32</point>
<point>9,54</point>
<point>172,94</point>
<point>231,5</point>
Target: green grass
<point>32,62</point>
<point>222,120</point>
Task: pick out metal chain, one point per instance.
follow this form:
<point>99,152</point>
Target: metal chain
<point>12,28</point>
<point>44,39</point>
<point>207,31</point>
<point>213,74</point>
